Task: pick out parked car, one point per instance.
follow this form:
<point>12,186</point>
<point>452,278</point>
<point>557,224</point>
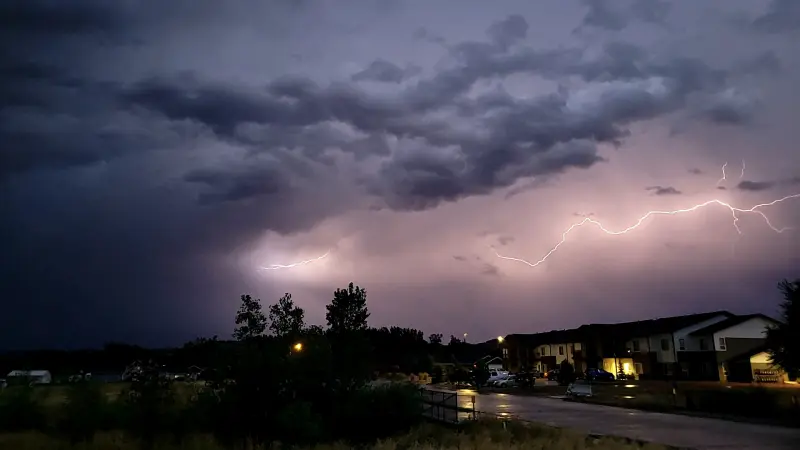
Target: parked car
<point>551,374</point>
<point>598,375</point>
<point>510,381</point>
<point>525,379</point>
<point>495,376</point>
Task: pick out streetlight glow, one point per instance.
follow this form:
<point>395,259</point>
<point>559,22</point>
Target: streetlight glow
<point>500,339</point>
<point>298,347</point>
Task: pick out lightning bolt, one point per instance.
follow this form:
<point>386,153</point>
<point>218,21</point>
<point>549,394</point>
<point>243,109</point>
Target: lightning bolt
<point>723,174</point>
<point>296,264</point>
<point>734,210</point>
<point>743,167</point>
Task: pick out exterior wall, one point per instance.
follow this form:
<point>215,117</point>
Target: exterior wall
<point>737,347</point>
<point>754,328</point>
<point>662,356</point>
<point>549,355</point>
<point>692,343</point>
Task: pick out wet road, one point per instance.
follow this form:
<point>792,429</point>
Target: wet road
<point>670,429</point>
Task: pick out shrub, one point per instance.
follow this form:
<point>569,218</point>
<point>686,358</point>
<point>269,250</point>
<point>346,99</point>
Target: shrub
<point>85,411</point>
<point>373,413</point>
<point>20,410</point>
<point>757,402</point>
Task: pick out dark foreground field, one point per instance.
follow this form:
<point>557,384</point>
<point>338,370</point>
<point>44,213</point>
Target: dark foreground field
<point>483,435</point>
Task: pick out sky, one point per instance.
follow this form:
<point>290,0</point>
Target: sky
<point>157,156</point>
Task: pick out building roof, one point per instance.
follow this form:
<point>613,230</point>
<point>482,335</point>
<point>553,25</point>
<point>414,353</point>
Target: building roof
<point>728,323</point>
<point>28,373</point>
<point>617,331</point>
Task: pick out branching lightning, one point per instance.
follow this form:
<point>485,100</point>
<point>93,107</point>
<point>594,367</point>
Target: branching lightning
<point>719,182</point>
<point>743,167</point>
<point>587,220</point>
<point>296,264</point>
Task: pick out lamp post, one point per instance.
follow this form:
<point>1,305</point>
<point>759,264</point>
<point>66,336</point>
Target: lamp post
<point>298,347</point>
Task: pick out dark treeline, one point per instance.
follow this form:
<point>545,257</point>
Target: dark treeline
<point>392,349</point>
<point>278,380</point>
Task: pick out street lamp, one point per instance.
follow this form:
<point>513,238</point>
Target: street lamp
<point>500,339</point>
<point>298,346</point>
<point>465,337</point>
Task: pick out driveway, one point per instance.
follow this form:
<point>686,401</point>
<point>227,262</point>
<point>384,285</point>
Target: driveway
<point>671,429</point>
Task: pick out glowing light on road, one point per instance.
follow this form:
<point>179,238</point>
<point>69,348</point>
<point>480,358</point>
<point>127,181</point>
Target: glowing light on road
<point>296,264</point>
<point>734,210</point>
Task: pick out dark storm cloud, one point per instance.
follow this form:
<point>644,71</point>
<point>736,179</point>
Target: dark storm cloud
<point>41,17</point>
<point>508,31</point>
<point>505,240</point>
<point>524,138</point>
<point>124,251</point>
<point>609,15</point>
<point>755,186</point>
<point>695,171</point>
<point>747,185</point>
<point>229,185</point>
<point>53,116</point>
<point>425,34</point>
<point>781,16</point>
<point>663,190</point>
<point>385,72</point>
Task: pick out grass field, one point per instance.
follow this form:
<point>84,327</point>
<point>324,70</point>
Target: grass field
<point>484,435</point>
<point>56,394</point>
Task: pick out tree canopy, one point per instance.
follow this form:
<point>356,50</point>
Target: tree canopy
<point>285,318</point>
<point>784,338</point>
<point>250,320</point>
<point>348,310</point>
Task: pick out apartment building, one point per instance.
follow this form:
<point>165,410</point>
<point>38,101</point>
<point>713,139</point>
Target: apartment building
<point>705,346</point>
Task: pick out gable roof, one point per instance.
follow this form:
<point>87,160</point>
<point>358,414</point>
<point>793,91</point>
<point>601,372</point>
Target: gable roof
<point>617,331</point>
<point>728,323</point>
<point>489,358</point>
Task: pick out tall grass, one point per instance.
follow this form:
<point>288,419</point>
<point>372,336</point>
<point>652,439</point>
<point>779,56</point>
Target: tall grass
<point>484,435</point>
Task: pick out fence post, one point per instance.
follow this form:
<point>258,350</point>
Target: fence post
<point>474,415</point>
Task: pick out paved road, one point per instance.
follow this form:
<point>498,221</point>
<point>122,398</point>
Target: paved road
<point>670,429</point>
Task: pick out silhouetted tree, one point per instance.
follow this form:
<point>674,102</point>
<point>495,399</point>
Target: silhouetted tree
<point>784,338</point>
<point>250,320</point>
<point>480,373</point>
<point>454,341</point>
<point>435,339</point>
<point>348,310</point>
<point>566,373</point>
<point>285,318</point>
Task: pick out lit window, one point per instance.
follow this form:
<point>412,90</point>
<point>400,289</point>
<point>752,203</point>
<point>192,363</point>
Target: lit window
<point>722,345</point>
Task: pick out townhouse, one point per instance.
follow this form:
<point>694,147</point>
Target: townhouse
<point>715,345</point>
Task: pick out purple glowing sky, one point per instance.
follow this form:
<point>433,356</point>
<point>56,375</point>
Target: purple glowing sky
<point>156,154</point>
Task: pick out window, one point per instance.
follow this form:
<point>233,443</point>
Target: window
<point>703,345</point>
<point>505,353</point>
<point>636,345</point>
<point>682,344</point>
<point>665,345</point>
<point>561,350</point>
<point>638,367</point>
<point>722,345</point>
<point>577,346</point>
